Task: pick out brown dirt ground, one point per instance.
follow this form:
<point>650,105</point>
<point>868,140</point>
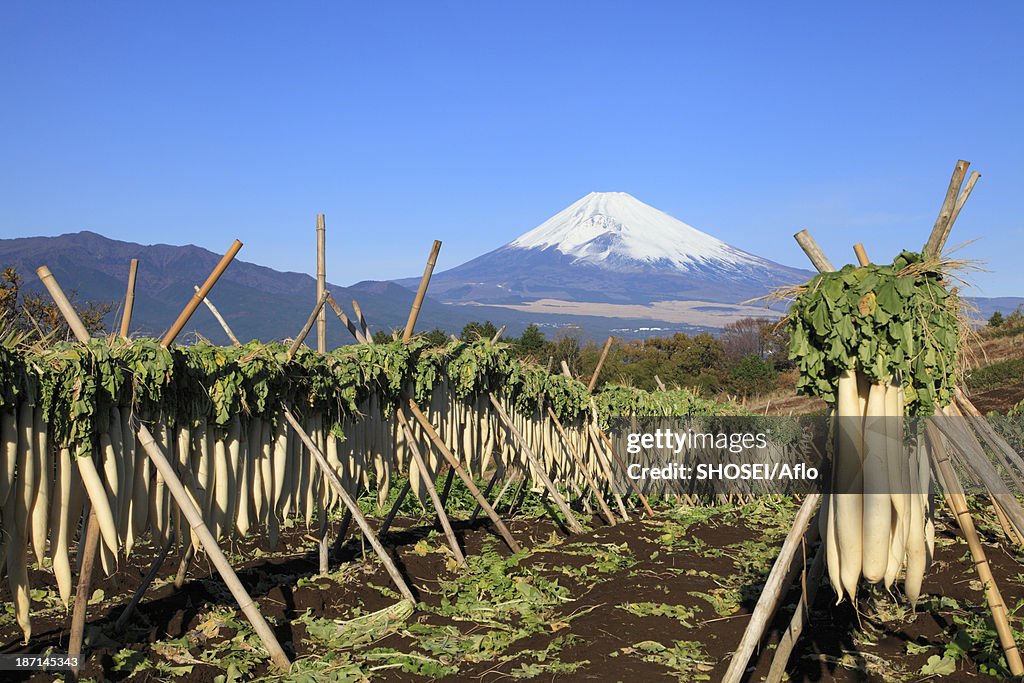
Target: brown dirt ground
<point>833,632</point>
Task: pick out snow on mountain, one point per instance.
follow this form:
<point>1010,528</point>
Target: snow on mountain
<point>611,248</point>
<point>603,226</point>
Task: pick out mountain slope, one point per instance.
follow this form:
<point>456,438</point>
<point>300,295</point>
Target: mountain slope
<point>610,247</point>
<point>258,302</point>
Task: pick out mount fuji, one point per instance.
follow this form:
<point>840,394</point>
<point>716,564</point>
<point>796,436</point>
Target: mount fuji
<point>611,254</point>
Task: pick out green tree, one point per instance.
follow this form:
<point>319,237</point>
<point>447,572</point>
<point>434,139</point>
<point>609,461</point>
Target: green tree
<point>36,314</point>
<point>475,330</point>
<point>531,342</point>
<point>752,375</point>
<point>436,337</point>
<point>996,320</point>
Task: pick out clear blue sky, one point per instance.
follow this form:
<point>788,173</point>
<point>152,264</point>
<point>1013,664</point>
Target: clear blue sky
<point>473,122</point>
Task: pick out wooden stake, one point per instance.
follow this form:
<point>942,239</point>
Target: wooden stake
<point>578,459</point>
<point>82,591</point>
<point>183,499</point>
<point>538,467</point>
<point>406,487</point>
<point>814,252</point>
<point>862,256</point>
<point>73,321</point>
<point>497,335</point>
<point>140,590</point>
<point>209,544</point>
<point>362,322</point>
<point>129,298</point>
<point>431,491</point>
<point>487,492</point>
<point>622,466</point>
<point>800,616</point>
<point>297,342</point>
<point>220,319</point>
<point>457,467</point>
<point>198,297</point>
<point>349,325</point>
<point>321,282</point>
<point>601,458</point>
<point>933,247</point>
<point>772,592</point>
<point>600,363</point>
<point>321,347</point>
<point>940,460</point>
<point>421,292</point>
<point>961,200</point>
<point>661,385</point>
<point>352,506</point>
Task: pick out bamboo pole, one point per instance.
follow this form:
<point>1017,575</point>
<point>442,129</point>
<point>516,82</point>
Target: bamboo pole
<point>297,342</point>
<point>92,529</point>
<point>321,347</point>
<point>661,385</point>
<point>414,313</point>
<point>578,459</point>
<point>82,590</point>
<point>862,256</point>
<point>632,484</point>
<point>406,487</point>
<point>813,251</point>
<point>601,458</point>
<point>772,591</point>
<point>349,325</point>
<point>220,319</point>
<point>362,322</point>
<point>961,200</point>
<point>457,467</point>
<point>321,282</point>
<point>497,335</point>
<point>940,459</point>
<point>198,297</point>
<point>140,590</point>
<point>428,483</point>
<point>487,492</point>
<point>213,551</point>
<point>800,615</point>
<point>933,247</point>
<point>63,305</point>
<point>183,499</point>
<point>352,506</point>
<point>600,363</point>
<point>129,298</point>
<point>538,467</point>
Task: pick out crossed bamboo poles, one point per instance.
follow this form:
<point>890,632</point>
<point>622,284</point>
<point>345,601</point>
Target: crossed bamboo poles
<point>186,498</point>
<point>946,438</point>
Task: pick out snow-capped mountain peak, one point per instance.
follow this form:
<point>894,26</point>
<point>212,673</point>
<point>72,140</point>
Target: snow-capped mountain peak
<point>616,226</point>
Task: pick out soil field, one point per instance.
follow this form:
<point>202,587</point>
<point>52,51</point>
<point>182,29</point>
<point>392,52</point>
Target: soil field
<point>653,599</point>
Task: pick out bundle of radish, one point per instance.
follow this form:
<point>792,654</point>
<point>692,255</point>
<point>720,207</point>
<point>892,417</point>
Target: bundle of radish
<point>877,343</point>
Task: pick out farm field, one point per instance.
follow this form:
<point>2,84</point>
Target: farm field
<point>653,599</point>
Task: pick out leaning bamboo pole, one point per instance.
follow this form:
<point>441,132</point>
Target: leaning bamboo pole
<point>933,247</point>
<point>537,466</point>
<point>198,297</point>
<point>219,318</point>
<point>467,480</point>
<point>351,505</point>
<point>772,592</point>
<point>129,298</point>
<point>417,302</point>
<point>321,347</point>
<point>958,502</point>
<point>578,460</point>
<point>182,498</point>
<point>428,483</point>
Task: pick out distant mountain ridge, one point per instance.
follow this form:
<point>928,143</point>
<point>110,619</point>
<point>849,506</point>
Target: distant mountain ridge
<point>258,302</point>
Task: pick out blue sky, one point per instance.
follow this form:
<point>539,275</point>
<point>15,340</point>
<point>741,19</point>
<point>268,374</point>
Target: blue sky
<point>473,122</point>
